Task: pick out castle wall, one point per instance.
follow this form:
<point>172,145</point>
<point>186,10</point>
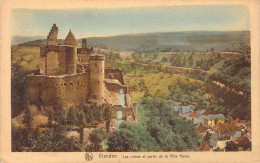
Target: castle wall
<point>57,91</point>
<point>114,74</point>
<point>83,58</point>
<point>42,62</point>
<point>114,86</point>
<point>127,112</point>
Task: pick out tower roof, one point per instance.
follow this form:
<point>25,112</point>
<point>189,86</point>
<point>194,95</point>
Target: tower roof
<point>70,40</point>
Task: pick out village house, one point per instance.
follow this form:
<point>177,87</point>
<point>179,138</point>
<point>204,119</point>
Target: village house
<point>182,110</point>
<point>236,135</point>
<point>211,120</point>
<point>243,143</point>
<point>206,148</point>
<point>222,130</point>
<point>202,130</point>
<point>211,139</point>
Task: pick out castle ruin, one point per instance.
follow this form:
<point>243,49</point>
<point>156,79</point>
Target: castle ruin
<point>71,75</point>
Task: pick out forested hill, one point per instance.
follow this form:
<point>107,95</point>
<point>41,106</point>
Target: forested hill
<point>193,40</point>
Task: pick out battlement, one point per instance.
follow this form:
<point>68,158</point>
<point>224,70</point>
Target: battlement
<point>96,57</point>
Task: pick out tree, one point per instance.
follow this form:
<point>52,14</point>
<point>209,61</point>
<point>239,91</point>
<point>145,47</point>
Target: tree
<point>164,59</point>
<point>27,119</point>
<point>50,117</point>
<point>71,119</point>
<point>96,137</point>
<point>82,118</point>
<point>18,83</point>
<point>190,60</point>
<point>114,142</point>
<point>231,146</point>
<point>58,115</point>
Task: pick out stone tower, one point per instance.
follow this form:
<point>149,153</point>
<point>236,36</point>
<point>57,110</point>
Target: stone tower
<point>72,58</point>
<point>84,43</point>
<point>58,59</point>
<point>52,37</point>
<point>97,74</point>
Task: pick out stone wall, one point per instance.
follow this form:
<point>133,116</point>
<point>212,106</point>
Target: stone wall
<point>115,74</point>
<point>127,112</point>
<point>58,60</point>
<point>57,91</point>
<point>83,58</point>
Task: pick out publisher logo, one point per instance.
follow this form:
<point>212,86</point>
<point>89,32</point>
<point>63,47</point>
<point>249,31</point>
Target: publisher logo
<point>88,156</point>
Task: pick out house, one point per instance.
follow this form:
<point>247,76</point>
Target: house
<point>198,119</point>
<point>211,120</point>
<point>222,130</point>
<point>193,117</point>
<point>202,130</point>
<point>201,111</point>
<point>236,135</point>
<point>182,110</point>
<point>240,123</point>
<point>232,127</point>
<point>207,112</point>
<point>211,139</point>
<point>205,147</point>
<point>194,114</point>
<point>243,143</point>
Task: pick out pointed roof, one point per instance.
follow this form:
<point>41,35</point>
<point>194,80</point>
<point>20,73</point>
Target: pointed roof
<point>70,40</point>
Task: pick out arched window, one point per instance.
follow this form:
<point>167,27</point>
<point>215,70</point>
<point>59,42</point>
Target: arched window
<point>95,64</point>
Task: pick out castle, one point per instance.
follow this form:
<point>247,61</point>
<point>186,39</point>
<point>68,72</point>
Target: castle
<point>71,75</point>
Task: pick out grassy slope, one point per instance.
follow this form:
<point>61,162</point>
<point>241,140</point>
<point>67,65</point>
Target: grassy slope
<point>28,56</point>
<point>157,83</point>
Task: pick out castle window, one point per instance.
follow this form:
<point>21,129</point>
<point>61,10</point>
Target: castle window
<point>71,84</point>
<point>56,84</point>
<point>98,82</point>
<point>95,64</point>
<point>61,84</point>
<point>78,83</point>
<point>65,84</point>
<point>101,70</point>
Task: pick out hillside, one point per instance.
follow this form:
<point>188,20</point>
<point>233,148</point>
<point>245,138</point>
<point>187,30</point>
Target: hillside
<point>21,39</point>
<point>193,40</point>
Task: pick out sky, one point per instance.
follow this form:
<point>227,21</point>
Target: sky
<point>91,22</point>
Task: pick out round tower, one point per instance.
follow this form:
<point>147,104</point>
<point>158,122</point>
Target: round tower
<point>96,77</point>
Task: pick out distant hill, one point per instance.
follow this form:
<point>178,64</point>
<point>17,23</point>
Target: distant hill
<point>193,40</point>
<point>21,39</point>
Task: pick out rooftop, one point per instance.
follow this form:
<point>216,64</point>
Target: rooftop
<point>182,109</point>
<point>70,40</point>
<point>201,128</point>
<point>194,114</point>
<point>205,147</point>
<point>214,116</point>
<point>242,141</point>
